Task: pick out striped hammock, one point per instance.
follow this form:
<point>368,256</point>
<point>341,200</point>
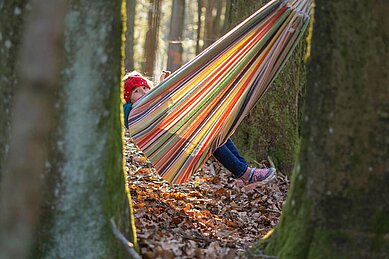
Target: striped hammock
<point>183,120</point>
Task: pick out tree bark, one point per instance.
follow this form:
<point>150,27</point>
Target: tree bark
<point>66,145</point>
<point>129,45</point>
<point>12,14</point>
<point>151,43</point>
<point>175,50</point>
<point>33,119</point>
<point>209,36</point>
<point>199,25</point>
<point>272,128</point>
<point>212,28</point>
<point>91,183</point>
<point>337,206</point>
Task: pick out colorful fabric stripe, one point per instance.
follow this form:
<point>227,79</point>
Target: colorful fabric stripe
<point>183,120</point>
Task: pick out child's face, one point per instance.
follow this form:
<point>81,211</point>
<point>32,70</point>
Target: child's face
<point>138,93</point>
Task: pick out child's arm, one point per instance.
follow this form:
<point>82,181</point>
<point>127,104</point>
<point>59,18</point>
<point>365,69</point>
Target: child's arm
<point>164,75</point>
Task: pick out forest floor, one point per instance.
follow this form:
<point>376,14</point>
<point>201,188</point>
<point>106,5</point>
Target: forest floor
<point>207,217</point>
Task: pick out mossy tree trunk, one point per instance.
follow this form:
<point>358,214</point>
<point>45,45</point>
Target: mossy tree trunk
<point>90,188</point>
<point>338,204</point>
<point>72,156</point>
<point>272,127</point>
<point>35,70</point>
<point>12,14</point>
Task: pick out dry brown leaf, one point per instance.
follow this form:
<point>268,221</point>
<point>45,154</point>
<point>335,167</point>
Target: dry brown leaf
<point>208,217</point>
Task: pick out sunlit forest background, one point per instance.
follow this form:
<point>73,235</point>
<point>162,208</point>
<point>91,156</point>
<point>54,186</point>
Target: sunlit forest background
<point>73,185</point>
<point>176,31</point>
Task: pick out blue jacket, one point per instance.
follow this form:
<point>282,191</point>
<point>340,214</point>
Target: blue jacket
<point>127,107</point>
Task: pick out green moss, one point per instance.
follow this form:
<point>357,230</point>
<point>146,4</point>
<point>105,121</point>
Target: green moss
<point>91,190</point>
<point>11,30</point>
<point>337,205</point>
<point>117,200</point>
<point>380,227</point>
<point>43,240</point>
<point>322,247</point>
<point>238,10</point>
<point>293,235</point>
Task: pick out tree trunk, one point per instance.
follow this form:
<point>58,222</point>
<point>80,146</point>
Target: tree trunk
<point>174,61</point>
<point>79,168</point>
<point>338,204</point>
<point>272,128</point>
<point>209,36</point>
<point>199,25</point>
<point>129,45</point>
<point>212,28</point>
<point>12,14</point>
<point>217,26</point>
<point>91,181</point>
<point>151,43</point>
<point>33,119</point>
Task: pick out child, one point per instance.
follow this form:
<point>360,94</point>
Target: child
<point>136,86</point>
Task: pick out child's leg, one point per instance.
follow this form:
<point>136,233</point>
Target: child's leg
<point>230,158</point>
<point>231,146</point>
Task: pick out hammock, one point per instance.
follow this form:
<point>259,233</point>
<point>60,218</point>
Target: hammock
<point>182,121</point>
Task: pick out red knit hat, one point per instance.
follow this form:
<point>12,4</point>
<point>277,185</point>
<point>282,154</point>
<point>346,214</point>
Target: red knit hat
<point>130,83</point>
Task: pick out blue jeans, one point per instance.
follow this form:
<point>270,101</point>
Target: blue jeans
<point>228,155</point>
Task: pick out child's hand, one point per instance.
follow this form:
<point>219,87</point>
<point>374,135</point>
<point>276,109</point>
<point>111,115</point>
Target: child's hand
<point>164,75</point>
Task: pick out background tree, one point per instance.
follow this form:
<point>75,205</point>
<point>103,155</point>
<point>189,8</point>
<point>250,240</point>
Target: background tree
<point>272,128</point>
<point>32,119</point>
<point>175,50</point>
<point>129,44</point>
<point>213,26</point>
<point>11,27</point>
<point>199,25</point>
<point>78,167</point>
<point>337,206</point>
<point>151,43</point>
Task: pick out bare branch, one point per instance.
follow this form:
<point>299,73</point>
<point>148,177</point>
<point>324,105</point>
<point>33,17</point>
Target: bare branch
<point>127,244</point>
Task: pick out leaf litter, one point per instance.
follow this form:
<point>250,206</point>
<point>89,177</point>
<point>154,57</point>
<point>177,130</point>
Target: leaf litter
<point>207,217</point>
